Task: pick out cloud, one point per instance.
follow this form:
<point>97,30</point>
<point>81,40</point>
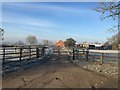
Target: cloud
<point>46,19</point>
<point>49,7</point>
<point>28,21</point>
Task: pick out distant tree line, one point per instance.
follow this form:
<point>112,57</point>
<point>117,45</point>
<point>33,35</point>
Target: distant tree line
<point>32,40</point>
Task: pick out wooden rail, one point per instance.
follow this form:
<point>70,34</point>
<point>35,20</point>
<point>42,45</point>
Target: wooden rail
<point>101,54</point>
<point>20,53</point>
<point>77,53</point>
<point>105,51</point>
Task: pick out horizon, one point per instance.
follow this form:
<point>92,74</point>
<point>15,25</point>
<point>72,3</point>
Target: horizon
<point>54,21</point>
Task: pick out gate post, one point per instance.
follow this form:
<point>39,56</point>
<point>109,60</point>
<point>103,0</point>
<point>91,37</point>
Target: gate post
<point>87,53</point>
<point>3,54</point>
<point>29,52</point>
<point>20,53</point>
<point>101,58</point>
<point>58,50</point>
<point>73,54</point>
<point>83,51</point>
<point>37,52</point>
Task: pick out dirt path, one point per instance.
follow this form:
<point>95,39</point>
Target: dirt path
<point>58,72</point>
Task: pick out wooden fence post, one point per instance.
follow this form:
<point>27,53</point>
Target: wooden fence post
<point>87,53</point>
<point>83,51</point>
<point>73,54</point>
<point>3,54</point>
<point>43,52</point>
<point>20,53</point>
<point>101,58</point>
<point>29,52</point>
<point>58,50</point>
<point>93,56</point>
<point>37,52</point>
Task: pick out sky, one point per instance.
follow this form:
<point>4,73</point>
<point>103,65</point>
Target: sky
<point>54,21</point>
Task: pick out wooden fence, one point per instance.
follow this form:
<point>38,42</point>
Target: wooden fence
<point>101,55</point>
<point>104,55</point>
<point>14,53</point>
<point>73,52</point>
<point>80,52</point>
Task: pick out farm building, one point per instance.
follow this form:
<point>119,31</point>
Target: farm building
<point>96,46</point>
<point>83,45</point>
<point>60,43</point>
<point>91,46</point>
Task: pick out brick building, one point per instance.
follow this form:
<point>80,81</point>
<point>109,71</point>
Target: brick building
<point>60,43</point>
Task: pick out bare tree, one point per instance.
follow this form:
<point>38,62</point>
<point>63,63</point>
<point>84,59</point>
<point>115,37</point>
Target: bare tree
<point>114,41</point>
<point>109,10</point>
<point>1,34</point>
<point>46,42</point>
<point>32,40</point>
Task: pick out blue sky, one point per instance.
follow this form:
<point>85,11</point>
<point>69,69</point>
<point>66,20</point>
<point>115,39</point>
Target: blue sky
<point>54,21</point>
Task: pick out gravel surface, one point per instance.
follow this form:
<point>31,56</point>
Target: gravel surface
<point>108,69</point>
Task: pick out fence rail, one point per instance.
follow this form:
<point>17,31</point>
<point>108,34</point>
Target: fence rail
<point>105,51</point>
<point>101,55</point>
<point>80,52</point>
<point>29,52</point>
<point>20,53</point>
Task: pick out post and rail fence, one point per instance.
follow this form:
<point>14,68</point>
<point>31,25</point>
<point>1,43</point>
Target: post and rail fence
<point>108,56</point>
<point>96,55</point>
<point>80,52</point>
<point>15,53</point>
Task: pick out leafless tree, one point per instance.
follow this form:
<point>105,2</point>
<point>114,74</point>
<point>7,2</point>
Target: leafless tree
<point>32,40</point>
<point>110,10</point>
<point>46,42</point>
